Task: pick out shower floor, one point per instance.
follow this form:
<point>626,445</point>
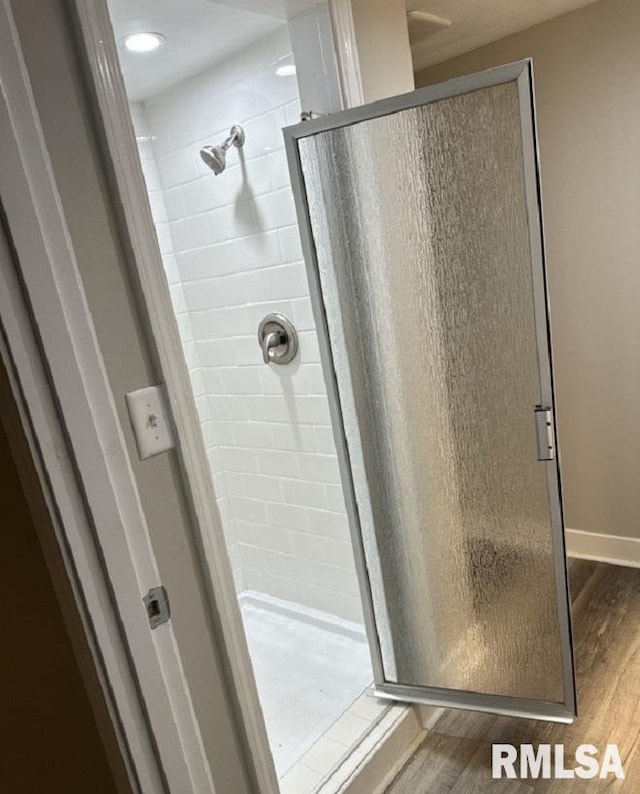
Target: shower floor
<point>309,666</point>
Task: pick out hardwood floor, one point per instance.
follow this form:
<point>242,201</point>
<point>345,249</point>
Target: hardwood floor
<point>456,756</point>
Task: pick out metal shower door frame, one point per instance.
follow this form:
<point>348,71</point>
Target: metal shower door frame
<point>522,74</point>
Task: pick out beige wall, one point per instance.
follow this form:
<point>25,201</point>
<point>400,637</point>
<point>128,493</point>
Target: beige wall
<point>587,77</point>
<point>384,55</point>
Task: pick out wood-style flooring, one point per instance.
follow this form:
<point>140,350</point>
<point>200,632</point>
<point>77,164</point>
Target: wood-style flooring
<point>456,755</point>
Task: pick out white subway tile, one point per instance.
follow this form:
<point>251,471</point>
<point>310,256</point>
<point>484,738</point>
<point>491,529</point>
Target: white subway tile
<point>246,178</point>
<point>202,406</point>
<point>255,435</point>
<point>304,494</point>
<point>276,209</point>
<point>256,311</point>
<point>177,298</point>
<point>313,409</point>
<point>215,353</point>
<point>285,281</point>
<point>221,323</point>
<point>226,431</point>
<point>205,193</point>
<point>174,204</point>
<point>288,516</point>
<point>335,498</point>
<point>239,579</point>
<point>243,530</point>
<point>276,89</point>
<point>290,246</point>
<point>264,134</point>
<point>325,440</point>
<point>236,459</point>
<point>241,380</point>
<point>184,327</point>
<point>190,354</point>
<point>220,486</point>
<point>189,233</point>
<point>314,379</point>
<point>262,486</point>
<point>209,434</point>
<point>289,436</point>
<point>268,408</point>
<point>213,380</point>
<point>292,112</point>
<point>234,220</point>
<point>209,261</point>
<point>177,168</point>
<point>170,264</point>
<point>269,537</point>
<point>158,209</point>
<point>278,170</point>
<point>253,510</point>
<point>247,351</point>
<point>284,464</point>
<point>319,468</point>
<point>235,484</point>
<point>151,176</point>
<point>328,524</point>
<point>323,549</point>
<point>303,314</point>
<point>165,243</point>
<point>283,380</point>
<point>309,349</point>
<point>237,103</point>
<point>215,293</point>
<point>227,408</point>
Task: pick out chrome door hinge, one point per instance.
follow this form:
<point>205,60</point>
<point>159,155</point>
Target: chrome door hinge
<point>544,433</point>
<point>156,603</point>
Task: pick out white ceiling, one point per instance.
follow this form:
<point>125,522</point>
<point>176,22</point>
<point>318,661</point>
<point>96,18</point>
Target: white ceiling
<point>198,34</point>
<point>478,22</point>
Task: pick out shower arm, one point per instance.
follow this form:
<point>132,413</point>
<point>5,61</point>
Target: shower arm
<point>228,142</point>
<point>236,137</point>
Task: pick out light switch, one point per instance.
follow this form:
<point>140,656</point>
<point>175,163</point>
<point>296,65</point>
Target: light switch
<point>149,420</point>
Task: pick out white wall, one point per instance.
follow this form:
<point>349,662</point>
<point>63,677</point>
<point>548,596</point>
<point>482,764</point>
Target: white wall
<point>232,254</point>
<point>587,72</point>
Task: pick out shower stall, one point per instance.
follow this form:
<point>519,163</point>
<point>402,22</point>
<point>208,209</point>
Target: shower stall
<point>211,147</point>
<point>378,411</point>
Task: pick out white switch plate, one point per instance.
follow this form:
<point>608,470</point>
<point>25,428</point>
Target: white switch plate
<point>149,420</point>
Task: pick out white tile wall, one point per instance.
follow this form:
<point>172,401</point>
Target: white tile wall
<point>232,254</point>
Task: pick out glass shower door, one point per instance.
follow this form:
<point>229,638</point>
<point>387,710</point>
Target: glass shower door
<point>420,218</point>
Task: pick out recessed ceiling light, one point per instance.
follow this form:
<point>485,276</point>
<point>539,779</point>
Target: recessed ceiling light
<point>143,42</point>
<point>286,70</point>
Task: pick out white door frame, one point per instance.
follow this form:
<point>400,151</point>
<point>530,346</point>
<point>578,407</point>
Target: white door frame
<point>95,25</point>
<point>51,346</point>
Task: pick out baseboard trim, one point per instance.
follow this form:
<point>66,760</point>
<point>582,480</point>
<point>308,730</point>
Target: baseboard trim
<point>603,548</point>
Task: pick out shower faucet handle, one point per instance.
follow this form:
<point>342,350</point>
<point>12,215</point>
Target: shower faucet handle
<point>270,342</point>
<point>278,339</point>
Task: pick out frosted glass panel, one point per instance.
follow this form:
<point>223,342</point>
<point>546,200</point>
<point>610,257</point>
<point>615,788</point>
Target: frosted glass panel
<point>420,228</point>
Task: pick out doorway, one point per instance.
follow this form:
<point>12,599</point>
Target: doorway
<point>225,221</point>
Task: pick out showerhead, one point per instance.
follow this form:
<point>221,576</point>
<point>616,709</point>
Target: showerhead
<point>216,156</point>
